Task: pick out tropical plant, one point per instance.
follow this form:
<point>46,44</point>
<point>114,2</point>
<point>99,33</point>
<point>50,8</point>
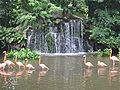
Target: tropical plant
<point>23,53</point>
<point>106,22</point>
<point>119,53</point>
<point>104,52</point>
<point>72,7</point>
<point>10,36</point>
<point>35,13</point>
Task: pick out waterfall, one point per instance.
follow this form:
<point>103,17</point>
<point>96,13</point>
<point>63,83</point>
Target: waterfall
<point>29,34</point>
<point>67,37</point>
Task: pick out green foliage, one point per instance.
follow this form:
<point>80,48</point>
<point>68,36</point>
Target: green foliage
<point>104,15</point>
<point>119,53</point>
<point>23,53</point>
<point>106,21</point>
<point>8,36</point>
<point>105,52</point>
<point>105,36</point>
<point>35,13</point>
<point>74,7</point>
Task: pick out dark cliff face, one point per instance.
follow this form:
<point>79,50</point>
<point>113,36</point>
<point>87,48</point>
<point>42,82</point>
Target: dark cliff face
<point>67,37</point>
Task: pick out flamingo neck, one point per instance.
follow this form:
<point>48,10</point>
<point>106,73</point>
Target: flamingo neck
<point>39,60</point>
<point>26,62</point>
<point>85,59</point>
<point>110,53</point>
<point>16,59</point>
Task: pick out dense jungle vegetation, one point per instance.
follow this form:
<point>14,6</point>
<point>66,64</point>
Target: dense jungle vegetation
<point>101,17</point>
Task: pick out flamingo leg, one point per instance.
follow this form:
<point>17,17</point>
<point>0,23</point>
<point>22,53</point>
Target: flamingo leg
<point>113,64</point>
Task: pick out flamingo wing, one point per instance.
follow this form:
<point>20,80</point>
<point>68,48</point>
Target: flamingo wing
<point>43,66</point>
<point>9,62</point>
<point>89,64</point>
<point>30,66</point>
<point>114,58</point>
<point>103,64</point>
<point>19,64</point>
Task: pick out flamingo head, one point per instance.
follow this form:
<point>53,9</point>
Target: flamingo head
<point>4,51</point>
<point>110,49</point>
<point>26,61</point>
<point>84,56</point>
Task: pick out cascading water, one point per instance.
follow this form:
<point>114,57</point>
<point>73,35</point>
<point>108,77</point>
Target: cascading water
<point>66,38</point>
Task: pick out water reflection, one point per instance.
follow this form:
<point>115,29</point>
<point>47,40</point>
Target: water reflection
<point>28,73</point>
<point>87,73</point>
<point>41,74</point>
<point>101,71</point>
<point>18,75</point>
<point>8,79</point>
<point>113,73</point>
<point>66,72</point>
<point>113,78</point>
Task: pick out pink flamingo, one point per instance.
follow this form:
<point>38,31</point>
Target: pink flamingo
<point>43,66</point>
<point>29,66</point>
<point>88,64</point>
<point>101,64</point>
<point>19,63</point>
<point>113,58</point>
<point>8,62</point>
<point>2,66</point>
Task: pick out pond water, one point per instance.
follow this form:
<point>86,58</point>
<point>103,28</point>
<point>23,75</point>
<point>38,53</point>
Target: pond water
<point>66,73</point>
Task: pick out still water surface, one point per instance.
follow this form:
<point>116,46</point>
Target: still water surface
<point>66,73</point>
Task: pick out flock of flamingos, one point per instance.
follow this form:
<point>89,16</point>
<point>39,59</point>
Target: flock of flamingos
<point>7,66</point>
<point>29,67</point>
<point>102,64</point>
<point>20,64</point>
<point>43,66</point>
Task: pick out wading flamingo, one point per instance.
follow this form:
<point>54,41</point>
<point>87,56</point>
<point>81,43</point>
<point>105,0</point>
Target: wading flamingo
<point>113,58</point>
<point>101,64</point>
<point>43,66</point>
<point>8,62</point>
<point>18,63</point>
<point>88,64</point>
<point>29,66</point>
